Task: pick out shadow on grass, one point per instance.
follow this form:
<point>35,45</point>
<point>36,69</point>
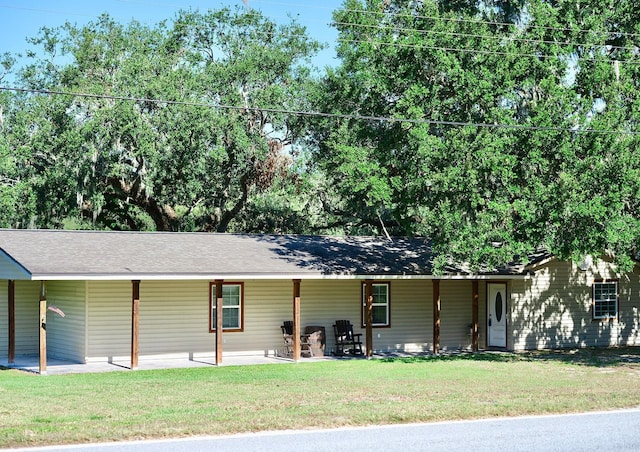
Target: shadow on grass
<point>457,356</point>
<point>597,357</point>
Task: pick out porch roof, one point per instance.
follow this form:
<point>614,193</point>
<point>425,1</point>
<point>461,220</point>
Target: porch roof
<point>85,255</point>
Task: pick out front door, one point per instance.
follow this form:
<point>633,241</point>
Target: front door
<point>497,312</point>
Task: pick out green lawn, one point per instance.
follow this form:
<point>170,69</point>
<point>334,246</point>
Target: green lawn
<point>36,410</point>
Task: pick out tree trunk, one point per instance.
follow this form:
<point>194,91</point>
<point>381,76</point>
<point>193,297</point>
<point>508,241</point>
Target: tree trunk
<point>163,216</point>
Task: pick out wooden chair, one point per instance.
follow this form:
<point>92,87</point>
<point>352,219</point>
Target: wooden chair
<point>305,341</point>
<point>346,340</point>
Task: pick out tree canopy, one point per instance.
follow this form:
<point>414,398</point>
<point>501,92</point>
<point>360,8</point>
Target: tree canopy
<point>172,127</point>
<point>504,126</point>
<point>492,128</point>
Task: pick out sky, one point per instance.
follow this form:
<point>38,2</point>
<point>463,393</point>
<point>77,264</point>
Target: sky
<point>20,19</point>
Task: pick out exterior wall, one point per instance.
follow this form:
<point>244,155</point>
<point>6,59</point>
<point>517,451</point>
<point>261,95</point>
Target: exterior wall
<point>552,309</point>
<point>174,316</point>
<point>4,319</point>
<point>482,314</point>
<point>173,319</point>
<point>66,335</point>
<point>411,312</point>
<point>629,309</point>
<point>9,269</point>
<point>456,314</point>
<point>27,294</point>
<point>108,319</point>
<point>411,318</point>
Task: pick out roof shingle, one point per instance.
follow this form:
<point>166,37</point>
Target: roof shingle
<point>56,254</point>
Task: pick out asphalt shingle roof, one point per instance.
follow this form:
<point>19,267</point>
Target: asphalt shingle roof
<point>148,254</point>
<point>153,255</point>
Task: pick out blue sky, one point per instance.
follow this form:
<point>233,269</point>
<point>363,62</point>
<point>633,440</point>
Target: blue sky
<point>20,19</point>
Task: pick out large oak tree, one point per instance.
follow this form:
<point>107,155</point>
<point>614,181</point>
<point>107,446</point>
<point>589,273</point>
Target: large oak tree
<point>177,126</point>
<point>502,126</point>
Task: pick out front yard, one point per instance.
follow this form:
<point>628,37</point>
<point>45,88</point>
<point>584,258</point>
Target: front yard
<point>39,410</point>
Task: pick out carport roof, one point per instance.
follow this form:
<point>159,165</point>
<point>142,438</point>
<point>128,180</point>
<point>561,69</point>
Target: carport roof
<point>85,255</point>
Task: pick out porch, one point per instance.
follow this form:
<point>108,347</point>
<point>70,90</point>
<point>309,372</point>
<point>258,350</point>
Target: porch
<point>63,367</point>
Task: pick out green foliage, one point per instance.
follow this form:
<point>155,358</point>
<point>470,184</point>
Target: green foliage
<point>492,128</point>
<point>17,199</point>
<point>498,151</point>
<point>194,159</point>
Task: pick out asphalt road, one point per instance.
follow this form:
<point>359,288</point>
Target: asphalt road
<point>603,431</point>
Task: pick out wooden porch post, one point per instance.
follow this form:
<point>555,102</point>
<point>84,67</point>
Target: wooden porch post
<point>296,319</point>
<point>43,328</point>
<point>12,320</point>
<point>436,316</point>
<point>219,283</point>
<point>135,323</point>
<point>368,297</point>
<point>474,316</point>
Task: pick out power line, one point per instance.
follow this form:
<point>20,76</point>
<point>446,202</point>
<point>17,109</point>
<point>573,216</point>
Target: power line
<point>484,22</point>
<point>319,114</point>
<point>484,52</point>
<point>444,48</point>
<point>494,37</point>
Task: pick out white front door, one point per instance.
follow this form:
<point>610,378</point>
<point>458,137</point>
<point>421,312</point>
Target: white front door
<point>497,312</point>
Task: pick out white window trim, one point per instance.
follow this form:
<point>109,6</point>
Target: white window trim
<point>594,300</point>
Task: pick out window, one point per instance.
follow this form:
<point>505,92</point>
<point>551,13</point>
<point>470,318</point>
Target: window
<point>605,299</point>
<point>232,306</point>
<point>380,304</point>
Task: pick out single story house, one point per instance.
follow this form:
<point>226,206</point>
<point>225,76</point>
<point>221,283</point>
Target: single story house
<point>88,296</point>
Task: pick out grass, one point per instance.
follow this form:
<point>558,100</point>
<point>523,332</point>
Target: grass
<point>112,406</point>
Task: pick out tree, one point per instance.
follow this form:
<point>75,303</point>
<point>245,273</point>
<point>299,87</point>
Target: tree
<point>17,201</point>
<point>503,126</point>
<point>172,127</point>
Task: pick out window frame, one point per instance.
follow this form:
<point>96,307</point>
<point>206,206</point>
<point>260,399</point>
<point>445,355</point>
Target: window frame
<point>363,289</point>
<point>594,301</point>
<point>212,307</point>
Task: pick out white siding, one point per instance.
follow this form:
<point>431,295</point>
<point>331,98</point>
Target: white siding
<point>482,313</point>
<point>324,302</point>
<point>4,319</point>
<point>27,295</point>
<point>9,269</point>
<point>553,309</point>
<point>411,308</point>
<point>66,335</point>
<point>411,318</point>
<point>266,305</point>
<point>174,316</point>
<point>629,309</point>
<point>109,319</point>
<point>456,314</point>
<point>27,317</point>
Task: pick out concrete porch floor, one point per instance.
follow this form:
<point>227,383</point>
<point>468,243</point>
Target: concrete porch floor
<point>62,367</point>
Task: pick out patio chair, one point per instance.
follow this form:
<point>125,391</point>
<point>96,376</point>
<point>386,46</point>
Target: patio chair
<point>305,341</point>
<point>346,340</point>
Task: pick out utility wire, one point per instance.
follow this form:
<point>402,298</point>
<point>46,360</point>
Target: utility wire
<point>449,33</point>
<point>317,113</point>
<point>486,22</point>
<point>513,38</point>
<point>484,52</point>
<point>302,5</point>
